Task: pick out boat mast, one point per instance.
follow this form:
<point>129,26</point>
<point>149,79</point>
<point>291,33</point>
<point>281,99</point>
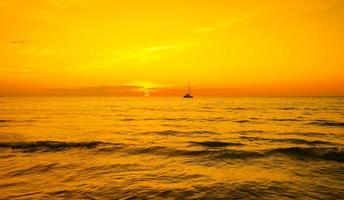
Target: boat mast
<point>189,88</point>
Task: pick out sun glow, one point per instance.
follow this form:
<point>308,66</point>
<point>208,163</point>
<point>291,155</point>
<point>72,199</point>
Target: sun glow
<point>145,87</point>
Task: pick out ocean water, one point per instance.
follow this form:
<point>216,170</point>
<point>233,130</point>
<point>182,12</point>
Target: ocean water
<point>171,148</point>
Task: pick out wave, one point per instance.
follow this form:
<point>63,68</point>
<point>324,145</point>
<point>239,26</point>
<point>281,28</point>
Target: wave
<point>255,189</point>
<point>286,108</point>
<point>204,132</point>
<point>166,132</point>
<point>127,119</point>
<point>241,108</point>
<point>214,119</point>
<point>289,140</point>
<point>211,153</point>
<point>333,154</point>
<point>4,120</point>
<point>181,133</point>
<point>48,145</point>
<point>322,122</point>
<point>245,132</point>
<point>211,119</point>
<point>216,144</point>
<point>302,141</point>
<point>167,119</point>
<point>285,120</point>
<point>218,154</point>
<point>38,169</point>
<point>242,121</point>
<point>309,134</point>
<point>90,171</point>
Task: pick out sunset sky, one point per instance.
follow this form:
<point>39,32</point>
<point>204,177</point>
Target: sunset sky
<point>154,47</point>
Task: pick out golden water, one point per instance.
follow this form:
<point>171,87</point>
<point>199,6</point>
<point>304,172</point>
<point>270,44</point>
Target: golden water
<point>171,148</point>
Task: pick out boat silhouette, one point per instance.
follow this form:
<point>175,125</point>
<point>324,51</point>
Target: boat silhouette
<point>188,94</point>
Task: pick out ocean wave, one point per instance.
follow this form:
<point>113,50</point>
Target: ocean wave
<point>25,120</point>
<point>217,154</point>
<point>47,145</point>
<point>166,132</point>
<point>4,120</point>
<point>302,141</point>
<point>261,189</point>
<point>181,133</point>
<point>210,119</point>
<point>309,134</point>
<point>289,140</point>
<point>216,144</point>
<point>316,153</point>
<point>37,169</point>
<point>286,108</point>
<point>210,152</point>
<point>166,119</point>
<point>214,119</point>
<point>241,108</point>
<point>204,132</point>
<point>242,121</point>
<point>323,122</point>
<point>332,154</point>
<point>90,171</point>
<point>127,119</point>
<point>245,132</point>
<point>285,120</point>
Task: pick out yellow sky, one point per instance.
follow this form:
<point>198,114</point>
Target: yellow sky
<point>135,47</point>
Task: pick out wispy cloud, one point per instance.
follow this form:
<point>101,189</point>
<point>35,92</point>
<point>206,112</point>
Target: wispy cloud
<point>227,23</point>
<point>120,90</point>
<point>314,6</point>
<point>136,88</point>
<point>147,54</point>
<point>6,72</point>
<point>214,28</point>
<point>13,70</point>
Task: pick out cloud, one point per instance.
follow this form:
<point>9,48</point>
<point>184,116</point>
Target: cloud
<point>272,9</point>
<point>227,23</point>
<point>311,6</point>
<point>18,42</point>
<point>214,28</point>
<point>120,90</point>
<point>147,54</point>
<point>13,70</point>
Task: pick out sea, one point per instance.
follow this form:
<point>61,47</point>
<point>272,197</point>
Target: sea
<point>171,148</point>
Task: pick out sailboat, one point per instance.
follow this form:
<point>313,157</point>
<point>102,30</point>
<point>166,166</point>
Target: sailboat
<point>188,94</point>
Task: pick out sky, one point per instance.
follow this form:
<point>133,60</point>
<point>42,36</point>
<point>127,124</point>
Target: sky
<point>154,47</point>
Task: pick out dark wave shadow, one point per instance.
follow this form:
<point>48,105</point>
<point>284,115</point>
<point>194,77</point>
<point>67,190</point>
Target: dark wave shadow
<point>302,153</point>
<point>4,120</point>
<point>332,154</point>
<point>322,122</point>
<point>48,145</point>
<point>181,133</point>
<point>211,152</point>
<point>37,169</point>
<point>215,144</point>
<point>285,120</point>
<point>289,140</point>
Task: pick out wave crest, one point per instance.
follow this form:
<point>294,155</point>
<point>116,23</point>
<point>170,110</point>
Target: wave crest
<point>216,144</point>
<point>333,154</point>
<point>47,145</point>
<point>322,122</point>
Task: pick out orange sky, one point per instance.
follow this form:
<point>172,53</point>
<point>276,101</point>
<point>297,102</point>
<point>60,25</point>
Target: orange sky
<point>137,48</point>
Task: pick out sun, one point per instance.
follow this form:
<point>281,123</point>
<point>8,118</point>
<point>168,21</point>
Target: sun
<point>146,87</point>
